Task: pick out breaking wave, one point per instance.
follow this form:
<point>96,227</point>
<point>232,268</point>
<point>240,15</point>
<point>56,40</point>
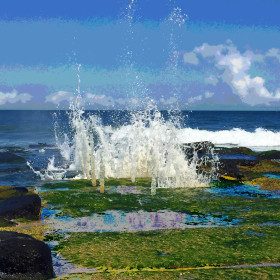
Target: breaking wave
<point>260,139</point>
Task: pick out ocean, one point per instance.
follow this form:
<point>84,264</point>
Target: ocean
<point>33,135</point>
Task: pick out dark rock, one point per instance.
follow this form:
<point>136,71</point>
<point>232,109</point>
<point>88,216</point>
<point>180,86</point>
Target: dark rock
<point>12,149</point>
<point>6,223</point>
<point>229,167</point>
<point>19,203</point>
<point>26,206</point>
<point>269,155</point>
<point>39,146</point>
<point>204,147</point>
<point>24,256</point>
<point>7,157</point>
<point>21,189</point>
<point>235,150</point>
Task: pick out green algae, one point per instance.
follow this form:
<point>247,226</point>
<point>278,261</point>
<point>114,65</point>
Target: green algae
<point>264,273</point>
<point>265,183</point>
<point>224,183</point>
<point>264,166</point>
<point>78,200</point>
<point>197,247</point>
<point>6,223</point>
<point>235,150</point>
<point>7,192</point>
<point>85,200</point>
<point>182,248</point>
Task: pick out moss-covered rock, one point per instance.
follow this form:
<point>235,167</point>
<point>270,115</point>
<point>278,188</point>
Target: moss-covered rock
<point>217,273</point>
<point>175,248</point>
<point>269,184</point>
<point>235,150</point>
<point>19,203</point>
<point>264,166</point>
<point>230,167</point>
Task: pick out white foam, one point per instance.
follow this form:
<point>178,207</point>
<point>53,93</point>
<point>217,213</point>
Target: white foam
<point>260,139</point>
<point>146,148</point>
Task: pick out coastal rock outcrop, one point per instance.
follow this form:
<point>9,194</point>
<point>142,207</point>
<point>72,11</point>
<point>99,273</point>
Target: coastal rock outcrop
<point>24,257</point>
<point>229,167</point>
<point>8,157</point>
<point>200,147</point>
<point>269,155</point>
<point>19,203</point>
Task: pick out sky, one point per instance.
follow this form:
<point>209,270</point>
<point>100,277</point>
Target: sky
<point>122,54</point>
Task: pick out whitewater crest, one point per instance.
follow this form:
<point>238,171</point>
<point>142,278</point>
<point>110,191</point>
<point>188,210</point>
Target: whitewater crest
<point>146,148</point>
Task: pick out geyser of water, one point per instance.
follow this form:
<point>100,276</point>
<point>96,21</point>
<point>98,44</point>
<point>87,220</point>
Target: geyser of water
<point>147,148</point>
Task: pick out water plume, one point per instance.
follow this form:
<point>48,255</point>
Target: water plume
<point>146,148</point>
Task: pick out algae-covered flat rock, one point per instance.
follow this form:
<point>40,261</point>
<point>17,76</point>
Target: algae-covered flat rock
<point>24,257</point>
<point>265,183</point>
<point>19,203</point>
<point>174,248</point>
<point>264,166</point>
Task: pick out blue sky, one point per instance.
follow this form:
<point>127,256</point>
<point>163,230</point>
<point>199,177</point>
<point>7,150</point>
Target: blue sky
<point>208,55</point>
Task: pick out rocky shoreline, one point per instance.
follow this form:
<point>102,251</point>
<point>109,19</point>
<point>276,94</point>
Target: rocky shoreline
<point>24,257</point>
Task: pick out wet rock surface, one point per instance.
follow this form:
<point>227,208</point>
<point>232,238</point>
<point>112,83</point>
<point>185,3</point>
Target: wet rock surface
<point>8,157</point>
<point>199,147</point>
<point>269,155</point>
<point>18,202</point>
<point>24,257</point>
<point>39,146</point>
<point>229,167</point>
<point>235,150</point>
<point>236,162</point>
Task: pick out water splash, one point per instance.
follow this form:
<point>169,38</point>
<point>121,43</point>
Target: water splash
<point>178,17</point>
<point>146,148</point>
<point>175,21</point>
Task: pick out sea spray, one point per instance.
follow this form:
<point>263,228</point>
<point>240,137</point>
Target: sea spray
<point>92,162</point>
<point>146,148</point>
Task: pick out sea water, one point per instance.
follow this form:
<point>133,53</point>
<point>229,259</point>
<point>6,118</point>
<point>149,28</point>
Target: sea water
<point>34,135</point>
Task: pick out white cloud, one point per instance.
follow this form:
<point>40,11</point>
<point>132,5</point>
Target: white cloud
<point>277,94</point>
<point>103,100</point>
<point>14,97</point>
<point>236,66</point>
<point>208,94</point>
<point>168,101</point>
<point>252,90</point>
<point>274,53</point>
<point>235,62</point>
<point>206,50</point>
<point>190,58</point>
<point>60,96</point>
<point>195,99</point>
<point>212,80</point>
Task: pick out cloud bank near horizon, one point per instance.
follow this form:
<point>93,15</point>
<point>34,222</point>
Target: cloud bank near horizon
<point>205,77</point>
<point>175,55</point>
